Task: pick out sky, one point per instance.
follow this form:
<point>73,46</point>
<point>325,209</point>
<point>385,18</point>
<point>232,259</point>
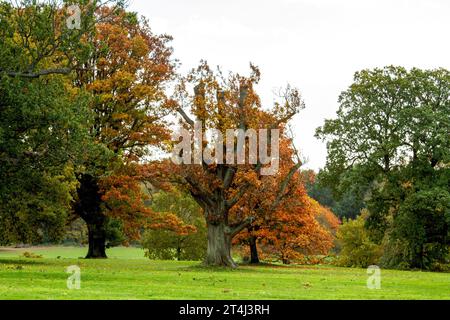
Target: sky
<point>314,45</point>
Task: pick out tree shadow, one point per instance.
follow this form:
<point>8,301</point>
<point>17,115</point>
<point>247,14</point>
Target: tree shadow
<point>20,262</point>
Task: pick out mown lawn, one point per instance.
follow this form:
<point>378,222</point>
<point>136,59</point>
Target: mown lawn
<point>128,275</point>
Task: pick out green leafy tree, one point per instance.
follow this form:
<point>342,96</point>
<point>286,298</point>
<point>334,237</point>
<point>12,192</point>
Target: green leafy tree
<point>392,134</point>
<point>357,248</point>
<point>168,245</point>
<point>42,119</point>
<point>346,201</point>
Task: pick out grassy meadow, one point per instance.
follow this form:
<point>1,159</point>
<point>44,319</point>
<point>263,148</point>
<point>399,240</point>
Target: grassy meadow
<point>127,274</point>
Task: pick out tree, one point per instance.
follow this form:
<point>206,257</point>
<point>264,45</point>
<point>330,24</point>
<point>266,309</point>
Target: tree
<point>166,244</point>
<point>284,215</point>
<point>392,135</point>
<point>225,103</point>
<point>41,119</point>
<point>299,233</point>
<point>127,73</point>
<point>422,225</point>
<point>357,248</point>
<point>345,199</point>
<point>298,226</point>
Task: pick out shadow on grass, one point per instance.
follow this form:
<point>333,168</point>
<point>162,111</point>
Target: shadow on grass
<point>242,267</point>
<point>20,262</point>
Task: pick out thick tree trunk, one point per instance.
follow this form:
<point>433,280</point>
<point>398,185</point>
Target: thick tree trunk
<point>88,207</point>
<point>254,258</point>
<point>97,240</point>
<point>219,246</point>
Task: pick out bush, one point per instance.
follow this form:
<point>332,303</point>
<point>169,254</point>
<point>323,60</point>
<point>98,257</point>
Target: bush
<point>357,249</point>
<point>168,245</point>
<point>31,255</point>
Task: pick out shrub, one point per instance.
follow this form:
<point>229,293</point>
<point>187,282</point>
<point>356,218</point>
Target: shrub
<point>168,245</point>
<point>357,249</point>
<point>31,255</point>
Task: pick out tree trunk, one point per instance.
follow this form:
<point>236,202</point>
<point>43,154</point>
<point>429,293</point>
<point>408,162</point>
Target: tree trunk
<point>179,251</point>
<point>219,246</point>
<point>254,258</point>
<point>88,207</point>
<point>97,240</point>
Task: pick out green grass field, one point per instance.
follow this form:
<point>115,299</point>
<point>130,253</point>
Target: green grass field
<point>128,275</point>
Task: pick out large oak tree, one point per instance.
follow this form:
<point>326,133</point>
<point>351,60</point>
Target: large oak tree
<point>392,133</point>
<point>126,73</point>
<point>223,103</point>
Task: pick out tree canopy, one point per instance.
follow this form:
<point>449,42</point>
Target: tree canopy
<point>392,129</point>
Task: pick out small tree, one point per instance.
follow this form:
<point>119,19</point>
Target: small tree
<point>357,249</point>
<point>167,244</point>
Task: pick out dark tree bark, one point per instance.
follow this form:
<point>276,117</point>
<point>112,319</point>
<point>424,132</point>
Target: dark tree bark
<point>88,207</point>
<point>254,257</point>
<point>97,240</point>
<point>179,242</point>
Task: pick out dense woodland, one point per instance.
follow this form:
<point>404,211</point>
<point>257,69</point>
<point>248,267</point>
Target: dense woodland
<point>87,116</point>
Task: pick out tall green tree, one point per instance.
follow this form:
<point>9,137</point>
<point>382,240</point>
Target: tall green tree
<point>41,118</point>
<point>393,128</point>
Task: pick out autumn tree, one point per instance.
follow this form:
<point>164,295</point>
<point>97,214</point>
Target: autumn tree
<point>127,74</point>
<point>295,232</point>
<point>220,103</point>
<point>288,223</point>
<point>268,196</point>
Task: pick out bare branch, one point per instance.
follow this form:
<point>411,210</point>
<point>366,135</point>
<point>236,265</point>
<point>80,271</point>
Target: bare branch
<point>282,192</point>
<point>235,229</point>
<point>41,73</point>
<point>185,117</point>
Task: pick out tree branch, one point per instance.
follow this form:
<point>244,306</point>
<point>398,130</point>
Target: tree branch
<point>185,117</point>
<point>235,229</point>
<point>284,185</point>
<point>41,73</point>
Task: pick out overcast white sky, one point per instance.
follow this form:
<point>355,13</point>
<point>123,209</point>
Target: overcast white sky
<point>315,45</point>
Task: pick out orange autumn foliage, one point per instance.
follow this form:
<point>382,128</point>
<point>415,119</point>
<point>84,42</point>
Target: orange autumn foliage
<point>127,78</point>
<point>125,196</point>
<point>221,103</point>
<point>297,226</point>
